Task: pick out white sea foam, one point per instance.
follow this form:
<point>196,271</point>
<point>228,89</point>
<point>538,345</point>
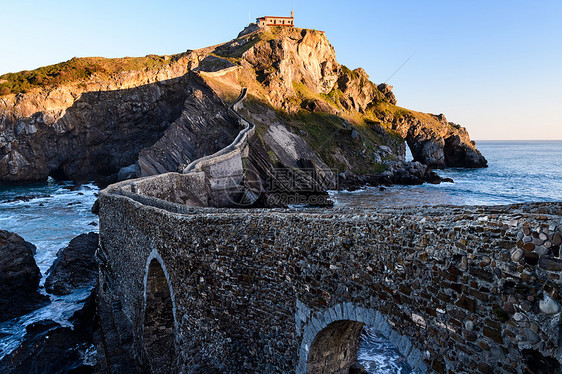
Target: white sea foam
<point>49,223</point>
<point>378,355</point>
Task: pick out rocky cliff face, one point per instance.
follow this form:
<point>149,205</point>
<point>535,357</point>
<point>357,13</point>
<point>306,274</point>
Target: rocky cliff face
<point>139,121</point>
<point>203,127</point>
<point>92,129</point>
<point>288,57</point>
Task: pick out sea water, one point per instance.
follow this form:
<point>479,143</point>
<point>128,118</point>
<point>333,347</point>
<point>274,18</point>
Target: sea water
<point>518,172</point>
<point>54,215</point>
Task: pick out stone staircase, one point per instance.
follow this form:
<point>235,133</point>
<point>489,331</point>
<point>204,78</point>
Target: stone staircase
<point>224,171</point>
<point>216,180</point>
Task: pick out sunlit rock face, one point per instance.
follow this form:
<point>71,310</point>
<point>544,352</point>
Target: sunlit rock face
<point>109,119</point>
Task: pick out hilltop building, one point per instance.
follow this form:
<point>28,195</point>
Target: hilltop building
<point>276,21</point>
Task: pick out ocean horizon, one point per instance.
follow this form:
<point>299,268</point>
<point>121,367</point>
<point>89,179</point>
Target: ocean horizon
<point>518,172</point>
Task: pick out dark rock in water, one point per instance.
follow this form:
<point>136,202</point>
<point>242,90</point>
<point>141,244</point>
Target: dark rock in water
<point>357,369</point>
<point>398,172</point>
<point>96,207</point>
<point>409,173</point>
<point>25,198</point>
<point>41,327</point>
<point>49,348</point>
<point>74,187</point>
<point>85,320</point>
<point>460,153</point>
<point>19,277</point>
<point>75,265</point>
<point>444,145</point>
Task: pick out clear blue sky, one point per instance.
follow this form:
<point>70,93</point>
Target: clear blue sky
<point>492,66</point>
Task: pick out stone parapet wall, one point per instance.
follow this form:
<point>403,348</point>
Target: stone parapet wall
<point>169,188</point>
<point>449,285</point>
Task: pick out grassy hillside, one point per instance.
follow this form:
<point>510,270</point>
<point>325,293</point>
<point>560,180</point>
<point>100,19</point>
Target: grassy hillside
<point>79,69</point>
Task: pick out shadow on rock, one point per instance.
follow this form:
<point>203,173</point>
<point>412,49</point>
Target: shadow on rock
<point>49,348</point>
<point>19,277</point>
<point>75,266</point>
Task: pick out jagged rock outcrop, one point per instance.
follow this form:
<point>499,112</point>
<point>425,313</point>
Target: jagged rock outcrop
<point>298,56</point>
<point>75,266</point>
<point>150,119</point>
<point>409,173</point>
<point>358,91</point>
<point>306,57</point>
<point>19,277</point>
<point>398,172</point>
<point>448,145</point>
<point>249,29</point>
<point>299,66</point>
<point>386,90</point>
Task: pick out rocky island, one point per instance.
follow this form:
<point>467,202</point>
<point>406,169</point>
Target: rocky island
<point>113,119</point>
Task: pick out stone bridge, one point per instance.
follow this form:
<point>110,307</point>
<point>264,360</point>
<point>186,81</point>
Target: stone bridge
<point>190,289</point>
<point>456,289</point>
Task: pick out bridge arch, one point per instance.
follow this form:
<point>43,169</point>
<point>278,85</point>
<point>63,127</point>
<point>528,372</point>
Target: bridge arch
<point>330,338</point>
<point>159,323</point>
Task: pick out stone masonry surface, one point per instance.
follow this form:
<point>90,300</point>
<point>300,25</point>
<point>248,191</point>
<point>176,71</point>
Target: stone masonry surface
<point>457,289</point>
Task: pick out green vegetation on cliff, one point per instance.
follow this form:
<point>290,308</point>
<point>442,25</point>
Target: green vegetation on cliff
<point>79,69</point>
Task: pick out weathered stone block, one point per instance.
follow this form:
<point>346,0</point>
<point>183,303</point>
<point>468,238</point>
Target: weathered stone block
<point>485,368</point>
<point>550,263</point>
<point>481,274</point>
<point>466,303</point>
<point>492,333</point>
<point>404,346</point>
<point>414,357</point>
